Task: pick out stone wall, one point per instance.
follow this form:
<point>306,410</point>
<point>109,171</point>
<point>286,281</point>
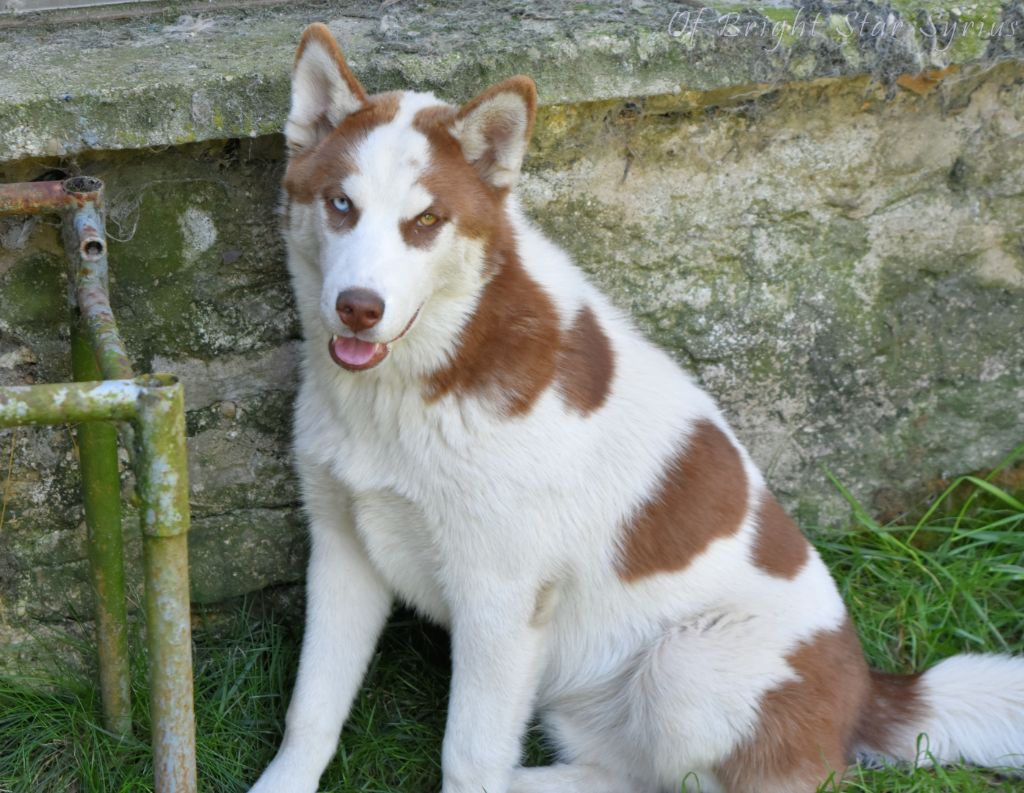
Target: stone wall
<point>838,258</point>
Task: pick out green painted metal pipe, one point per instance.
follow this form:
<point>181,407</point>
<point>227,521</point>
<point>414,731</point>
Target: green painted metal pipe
<point>163,487</point>
<point>63,403</point>
<point>155,405</point>
<point>101,497</point>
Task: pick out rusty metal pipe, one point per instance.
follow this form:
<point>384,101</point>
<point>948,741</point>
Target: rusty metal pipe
<point>94,355</point>
<point>156,405</point>
<point>85,242</point>
<point>37,198</point>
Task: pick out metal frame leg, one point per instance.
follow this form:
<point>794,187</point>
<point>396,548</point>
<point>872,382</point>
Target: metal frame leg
<point>155,406</point>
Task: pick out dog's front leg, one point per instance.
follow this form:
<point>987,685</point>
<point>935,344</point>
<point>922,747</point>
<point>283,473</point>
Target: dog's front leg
<point>347,606</point>
<point>496,653</point>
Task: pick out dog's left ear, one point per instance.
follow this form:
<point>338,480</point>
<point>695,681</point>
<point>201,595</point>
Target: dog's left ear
<point>494,129</point>
<point>324,90</point>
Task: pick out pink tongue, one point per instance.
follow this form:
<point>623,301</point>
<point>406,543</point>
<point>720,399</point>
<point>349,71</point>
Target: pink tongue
<point>354,351</point>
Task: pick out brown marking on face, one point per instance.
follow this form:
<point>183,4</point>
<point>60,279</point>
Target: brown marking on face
<point>807,726</point>
<point>316,173</point>
<point>586,364</point>
<point>780,549</point>
<point>459,194</point>
<point>341,221</point>
<point>418,235</point>
<point>509,348</point>
<point>894,707</point>
<point>702,497</point>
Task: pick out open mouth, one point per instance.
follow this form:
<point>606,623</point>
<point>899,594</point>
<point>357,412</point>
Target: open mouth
<point>357,355</point>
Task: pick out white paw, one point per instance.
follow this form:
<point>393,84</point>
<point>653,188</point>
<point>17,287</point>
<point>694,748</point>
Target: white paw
<point>284,776</point>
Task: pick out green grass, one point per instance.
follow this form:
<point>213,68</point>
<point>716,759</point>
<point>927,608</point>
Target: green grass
<point>951,582</point>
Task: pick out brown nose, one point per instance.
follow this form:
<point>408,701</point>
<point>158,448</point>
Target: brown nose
<point>359,308</point>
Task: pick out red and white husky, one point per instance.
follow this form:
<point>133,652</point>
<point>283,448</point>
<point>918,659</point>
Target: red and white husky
<point>482,435</point>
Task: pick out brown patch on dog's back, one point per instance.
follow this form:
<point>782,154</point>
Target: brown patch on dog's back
<point>586,364</point>
<point>780,549</point>
<point>318,171</point>
<point>702,497</point>
<point>807,726</point>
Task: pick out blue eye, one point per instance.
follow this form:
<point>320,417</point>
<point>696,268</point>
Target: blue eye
<point>341,204</point>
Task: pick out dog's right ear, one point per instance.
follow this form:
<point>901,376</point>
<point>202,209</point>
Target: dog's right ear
<point>324,90</point>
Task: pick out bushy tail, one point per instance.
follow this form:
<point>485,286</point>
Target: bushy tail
<point>968,708</point>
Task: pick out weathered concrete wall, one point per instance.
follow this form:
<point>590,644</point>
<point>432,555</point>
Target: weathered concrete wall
<point>840,260</point>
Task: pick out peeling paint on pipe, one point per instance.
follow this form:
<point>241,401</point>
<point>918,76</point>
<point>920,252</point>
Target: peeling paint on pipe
<point>156,407</point>
<point>163,486</point>
<point>62,403</point>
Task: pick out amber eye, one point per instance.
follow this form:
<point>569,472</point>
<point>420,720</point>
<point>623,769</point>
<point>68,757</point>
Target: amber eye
<point>426,219</point>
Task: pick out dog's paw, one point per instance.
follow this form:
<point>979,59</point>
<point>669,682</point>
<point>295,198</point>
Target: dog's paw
<point>285,777</point>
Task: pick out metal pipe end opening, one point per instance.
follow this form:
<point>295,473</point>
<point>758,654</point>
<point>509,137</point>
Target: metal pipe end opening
<point>83,184</point>
<point>158,380</point>
<point>92,249</point>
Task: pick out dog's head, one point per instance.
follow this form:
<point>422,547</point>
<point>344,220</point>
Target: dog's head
<point>394,198</point>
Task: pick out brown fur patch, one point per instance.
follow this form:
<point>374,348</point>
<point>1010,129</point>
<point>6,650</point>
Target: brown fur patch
<point>895,705</point>
<point>418,236</point>
<point>339,221</point>
<point>703,496</point>
<point>460,195</point>
<point>807,726</point>
<point>317,171</point>
<point>586,364</point>
<point>508,349</point>
<point>780,549</point>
